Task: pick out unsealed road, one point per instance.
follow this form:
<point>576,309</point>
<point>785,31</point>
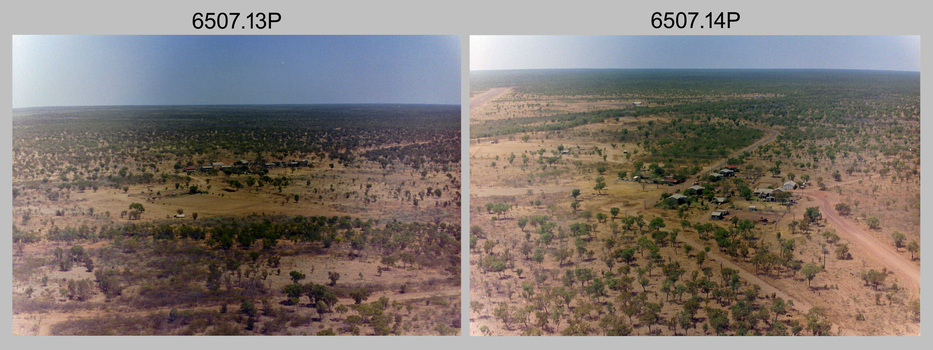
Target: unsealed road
<point>882,253</point>
<point>491,94</point>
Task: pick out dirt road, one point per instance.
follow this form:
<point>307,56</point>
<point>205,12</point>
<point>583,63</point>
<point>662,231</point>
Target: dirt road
<point>481,99</point>
<point>882,253</point>
<point>511,191</point>
<point>771,135</point>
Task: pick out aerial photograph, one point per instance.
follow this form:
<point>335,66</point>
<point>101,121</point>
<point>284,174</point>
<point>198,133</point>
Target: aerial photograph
<point>694,185</point>
<point>236,185</point>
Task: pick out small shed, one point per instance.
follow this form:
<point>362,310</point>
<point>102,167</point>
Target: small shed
<point>718,215</point>
<point>790,185</point>
<point>678,197</point>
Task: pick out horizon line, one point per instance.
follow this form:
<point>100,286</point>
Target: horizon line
<point>620,68</point>
<point>246,105</point>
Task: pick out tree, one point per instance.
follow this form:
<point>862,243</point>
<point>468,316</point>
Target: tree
<point>842,252</point>
<point>296,276</point>
<point>333,276</point>
<point>294,292</point>
<point>843,209</point>
<point>873,222</point>
<point>817,322</point>
<point>673,236</point>
<point>614,325</point>
<point>656,223</point>
<point>575,193</point>
<point>913,247</point>
<point>319,293</point>
<point>898,239</point>
<point>503,313</point>
<point>599,185</point>
<point>80,290</point>
<point>778,308</point>
<point>813,214</point>
<point>637,165</point>
<point>538,255</point>
<point>615,212</point>
<point>701,256</point>
<point>108,282</point>
<point>495,263</point>
<point>562,254</point>
<point>574,205</point>
<point>831,237</point>
<point>136,210</point>
<point>810,271</point>
<point>522,221</point>
<point>601,217</point>
<point>874,278</point>
<point>718,320</point>
<point>360,294</point>
<point>498,208</point>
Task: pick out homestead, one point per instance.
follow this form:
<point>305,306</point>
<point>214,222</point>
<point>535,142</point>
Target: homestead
<point>696,189</point>
<point>719,214</point>
<point>679,198</point>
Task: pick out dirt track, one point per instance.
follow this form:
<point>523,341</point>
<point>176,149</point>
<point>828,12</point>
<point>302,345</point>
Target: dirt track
<point>881,252</point>
<point>481,99</point>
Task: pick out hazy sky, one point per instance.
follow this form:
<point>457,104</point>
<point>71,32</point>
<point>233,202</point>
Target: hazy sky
<point>219,69</point>
<point>822,52</point>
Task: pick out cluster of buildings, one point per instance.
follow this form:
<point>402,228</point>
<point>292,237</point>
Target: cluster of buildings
<point>728,171</point>
<point>780,194</point>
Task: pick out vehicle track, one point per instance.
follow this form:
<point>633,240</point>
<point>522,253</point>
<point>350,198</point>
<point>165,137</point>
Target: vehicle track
<point>882,253</point>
